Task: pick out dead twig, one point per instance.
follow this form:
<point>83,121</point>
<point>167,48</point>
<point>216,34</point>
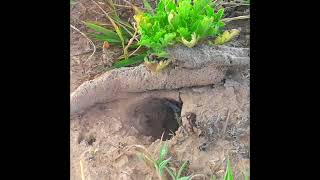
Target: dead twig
<point>226,124</point>
<point>135,51</point>
<point>119,5</point>
<point>198,175</point>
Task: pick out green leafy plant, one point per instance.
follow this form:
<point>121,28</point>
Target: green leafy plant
<point>178,22</point>
<point>186,21</point>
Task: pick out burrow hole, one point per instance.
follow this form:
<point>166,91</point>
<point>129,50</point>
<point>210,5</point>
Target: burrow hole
<point>155,116</point>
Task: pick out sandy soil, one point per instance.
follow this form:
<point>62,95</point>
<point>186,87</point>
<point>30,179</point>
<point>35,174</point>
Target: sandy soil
<point>215,121</point>
<point>222,122</point>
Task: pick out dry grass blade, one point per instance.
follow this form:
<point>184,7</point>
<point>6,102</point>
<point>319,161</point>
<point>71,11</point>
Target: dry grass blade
<point>94,47</point>
<point>120,22</point>
<point>81,170</point>
<point>131,40</point>
<point>119,5</point>
<point>133,52</point>
<point>130,53</point>
<point>161,140</point>
<point>145,150</point>
<point>198,175</point>
<point>235,18</point>
<point>226,124</point>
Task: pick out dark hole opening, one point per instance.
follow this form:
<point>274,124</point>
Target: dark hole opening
<point>91,140</point>
<point>155,116</point>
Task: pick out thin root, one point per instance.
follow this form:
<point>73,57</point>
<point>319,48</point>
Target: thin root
<point>94,47</point>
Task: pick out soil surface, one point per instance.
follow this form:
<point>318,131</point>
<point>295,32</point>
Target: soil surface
<point>204,125</point>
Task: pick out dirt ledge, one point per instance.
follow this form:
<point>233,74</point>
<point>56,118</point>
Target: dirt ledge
<point>200,66</point>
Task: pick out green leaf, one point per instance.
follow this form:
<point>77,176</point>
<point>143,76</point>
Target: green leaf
<point>130,61</point>
<point>169,5</point>
<point>199,5</point>
<point>163,164</point>
<point>184,178</point>
<point>168,39</point>
<point>183,166</point>
<point>220,13</point>
<point>170,172</point>
<point>210,11</point>
<point>184,8</point>
<point>163,151</point>
<point>103,37</point>
<point>228,175</point>
<point>184,32</point>
<point>106,32</point>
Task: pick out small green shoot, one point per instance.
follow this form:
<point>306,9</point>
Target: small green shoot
<point>247,2</point>
<point>159,164</point>
<point>228,175</point>
<point>177,175</point>
<point>246,175</point>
